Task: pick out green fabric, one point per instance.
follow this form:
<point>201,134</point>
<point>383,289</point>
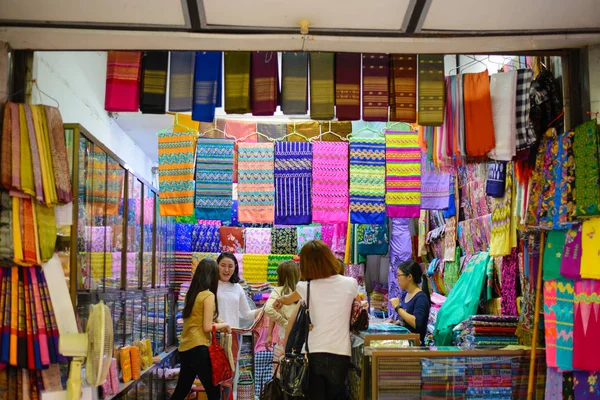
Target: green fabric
<point>464,298</point>
<point>555,244</point>
<point>452,271</point>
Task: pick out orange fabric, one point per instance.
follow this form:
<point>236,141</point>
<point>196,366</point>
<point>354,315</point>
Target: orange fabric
<point>479,125</point>
<point>421,139</point>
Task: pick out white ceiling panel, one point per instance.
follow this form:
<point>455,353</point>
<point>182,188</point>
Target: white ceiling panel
<point>142,128</point>
<point>507,15</point>
<point>136,12</point>
<point>322,14</point>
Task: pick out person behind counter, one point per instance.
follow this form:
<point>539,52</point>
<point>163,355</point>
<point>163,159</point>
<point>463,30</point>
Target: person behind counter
<point>414,307</point>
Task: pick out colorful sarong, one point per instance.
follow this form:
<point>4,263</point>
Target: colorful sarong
<point>214,177</point>
<point>550,321</point>
<point>587,173</point>
<point>60,155</point>
<point>207,85</point>
<point>265,82</point>
<point>123,81</point>
<point>293,173</point>
<point>347,86</point>
<point>431,89</point>
<point>403,88</point>
<point>322,85</point>
<point>367,181</point>
<point>570,265</point>
<point>294,83</point>
<point>181,80</point>
<point>256,192</point>
<point>375,87</point>
<point>176,173</point>
<point>330,182</point>
<point>403,174</point>
<point>154,82</point>
<point>237,82</point>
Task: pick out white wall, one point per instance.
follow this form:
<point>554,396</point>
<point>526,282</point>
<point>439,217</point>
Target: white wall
<point>77,81</point>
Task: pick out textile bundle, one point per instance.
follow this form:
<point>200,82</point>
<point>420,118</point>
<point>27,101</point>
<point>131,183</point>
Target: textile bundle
<point>347,86</point>
<point>375,87</point>
<point>255,267</point>
<point>293,172</point>
<point>322,85</point>
<point>367,181</point>
<point>207,85</point>
<point>256,191</point>
<point>487,330</point>
<point>154,82</point>
<point>294,83</point>
<point>237,82</point>
<point>431,89</point>
<point>123,81</point>
<point>176,172</point>
<point>214,177</point>
<point>265,82</point>
<point>503,89</point>
<point>403,174</point>
<point>273,262</point>
<point>330,182</point>
<point>479,124</point>
<point>181,80</point>
<point>403,88</point>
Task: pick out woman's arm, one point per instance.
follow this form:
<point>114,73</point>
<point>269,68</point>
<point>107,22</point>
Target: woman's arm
<point>270,333</point>
<point>272,313</point>
<point>287,300</point>
<point>288,330</point>
<point>208,316</point>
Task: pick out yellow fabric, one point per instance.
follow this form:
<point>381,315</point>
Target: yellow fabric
<point>17,244</point>
<point>193,334</point>
<point>590,249</point>
<point>41,134</point>
<point>347,254</point>
<point>255,267</point>
<point>27,185</point>
<point>46,230</point>
<point>187,122</point>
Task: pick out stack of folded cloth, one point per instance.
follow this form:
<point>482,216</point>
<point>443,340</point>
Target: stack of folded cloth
<point>378,299</point>
<point>486,330</point>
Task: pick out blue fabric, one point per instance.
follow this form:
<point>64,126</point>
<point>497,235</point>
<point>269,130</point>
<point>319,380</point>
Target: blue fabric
<point>207,85</point>
<point>205,238</point>
<point>183,235</point>
<point>214,179</point>
<point>293,177</point>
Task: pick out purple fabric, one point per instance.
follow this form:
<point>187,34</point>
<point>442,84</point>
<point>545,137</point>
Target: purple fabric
<point>586,385</point>
<point>400,251</point>
<point>553,384</point>
<point>435,190</point>
<point>571,257</point>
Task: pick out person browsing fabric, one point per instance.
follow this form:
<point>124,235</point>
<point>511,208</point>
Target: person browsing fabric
<point>199,315</point>
<point>413,308</point>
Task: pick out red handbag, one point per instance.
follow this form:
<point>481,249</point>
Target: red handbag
<point>221,369</point>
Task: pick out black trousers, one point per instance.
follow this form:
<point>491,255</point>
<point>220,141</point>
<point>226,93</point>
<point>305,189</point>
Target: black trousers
<point>327,376</point>
<point>195,362</point>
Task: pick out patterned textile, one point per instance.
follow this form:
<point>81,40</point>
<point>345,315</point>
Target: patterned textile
<point>306,234</point>
<point>553,254</point>
<point>347,86</point>
<point>435,189</point>
<point>199,256</point>
<point>496,182</point>
<point>510,267</point>
<point>443,378</point>
<point>586,355</point>
<point>45,152</point>
<point>182,270</point>
<point>10,128</point>
<point>181,80</point>
<point>586,169</point>
<point>375,87</point>
<point>474,234</point>
<point>489,380</point>
<point>240,259</point>
<point>322,85</point>
<point>341,128</point>
<point>293,172</point>
<point>326,235</point>
<point>568,393</point>
<point>183,235</point>
<point>6,226</point>
<point>525,134</point>
<point>294,83</point>
<point>255,268</point>
<point>585,385</point>
<point>431,89</point>
<point>308,130</point>
<point>479,125</point>
<point>262,365</point>
<point>176,173</point>
<point>256,191</point>
<point>570,264</point>
<point>237,82</point>
<point>565,176</point>
<point>372,239</point>
<point>154,82</point>
<point>339,238</point>
<point>214,177</point>
<point>554,380</point>
<point>258,240</point>
<point>273,262</point>
<point>265,82</point>
<point>284,240</point>
<point>207,85</point>
<point>565,302</point>
<point>590,249</point>
<point>550,321</point>
<point>500,237</point>
<point>450,236</point>
<point>403,88</point>
<point>123,81</point>
<point>274,130</point>
<point>398,378</point>
<point>205,238</point>
<point>60,156</point>
<point>403,174</point>
<point>330,182</point>
<point>243,132</point>
<point>232,239</point>
<point>400,251</point>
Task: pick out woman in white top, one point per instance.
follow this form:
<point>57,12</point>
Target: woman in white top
<point>331,297</point>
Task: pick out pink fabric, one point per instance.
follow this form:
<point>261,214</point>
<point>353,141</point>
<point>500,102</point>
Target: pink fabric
<point>327,234</point>
<point>550,321</point>
<point>330,182</point>
<point>209,222</point>
<point>240,260</point>
<point>340,231</point>
<point>258,241</point>
<point>100,238</point>
<point>239,130</point>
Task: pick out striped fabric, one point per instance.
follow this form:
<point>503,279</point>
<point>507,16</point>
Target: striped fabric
<point>256,192</point>
<point>403,174</point>
<point>322,85</point>
<point>214,177</point>
<point>431,89</point>
<point>367,181</point>
<point>375,87</point>
<point>123,81</point>
<point>403,88</point>
<point>176,173</point>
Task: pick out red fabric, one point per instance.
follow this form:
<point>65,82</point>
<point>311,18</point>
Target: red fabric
<point>265,82</point>
<point>347,86</point>
<point>123,81</point>
<point>221,370</point>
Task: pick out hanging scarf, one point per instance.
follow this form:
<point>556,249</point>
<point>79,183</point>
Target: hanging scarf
<point>479,124</point>
<point>265,82</point>
<point>403,88</point>
<point>207,85</point>
<point>375,87</point>
<point>330,182</point>
<point>16,147</point>
<point>367,181</point>
<point>447,136</point>
<point>403,174</point>
<point>274,130</point>
<point>322,85</point>
<point>570,264</point>
<point>347,86</point>
<point>60,157</point>
<point>154,82</point>
<point>431,89</point>
<point>525,134</point>
<point>181,81</point>
<point>256,192</point>
<point>294,83</point>
<point>237,82</point>
<point>587,173</point>
<point>503,88</point>
<point>460,112</point>
<point>123,81</point>
<point>293,172</point>
<point>214,177</point>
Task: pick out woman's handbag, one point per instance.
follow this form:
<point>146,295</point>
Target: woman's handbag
<point>221,369</point>
<point>272,389</point>
<point>359,317</point>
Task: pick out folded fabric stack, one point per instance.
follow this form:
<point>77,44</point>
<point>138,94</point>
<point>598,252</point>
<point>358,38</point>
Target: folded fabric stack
<point>489,378</point>
<point>245,383</point>
<point>259,293</point>
<point>377,299</point>
<point>487,330</point>
<point>182,271</point>
<point>399,378</point>
<point>443,378</point>
<point>436,303</point>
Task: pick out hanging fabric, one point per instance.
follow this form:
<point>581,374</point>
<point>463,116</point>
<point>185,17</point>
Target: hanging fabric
<point>232,239</point>
<point>258,240</point>
<point>322,85</point>
<point>293,172</point>
<point>435,188</point>
<point>35,154</point>
<point>274,130</point>
<point>500,236</point>
<point>308,130</point>
<point>570,264</point>
<point>431,89</point>
<point>205,238</point>
<point>306,234</point>
<point>503,90</point>
<point>372,239</point>
<point>176,173</point>
<point>214,178</point>
<point>60,156</point>
<point>375,87</point>
<point>207,85</point>
<point>330,182</point>
<point>6,226</point>
<point>367,180</point>
<point>240,130</point>
<point>273,262</point>
<point>403,88</point>
<point>265,82</point>
<point>496,182</point>
<point>341,128</point>
<point>284,240</point>
<point>347,86</point>
<point>525,133</point>
<point>565,300</point>
<point>256,267</point>
<point>123,81</point>
<point>294,83</point>
<point>403,174</point>
<point>256,192</point>
<point>237,82</point>
<point>587,175</point>
<point>27,185</point>
<point>590,249</point>
<point>587,325</point>
<point>181,81</point>
<point>154,82</point>
<point>479,124</point>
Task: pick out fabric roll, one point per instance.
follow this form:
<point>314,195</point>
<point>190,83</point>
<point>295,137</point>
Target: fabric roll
<point>258,240</point>
<point>308,130</point>
<point>565,302</point>
<point>232,239</point>
<point>570,264</point>
<point>503,90</point>
<point>181,80</point>
<point>214,177</point>
<point>431,89</point>
<point>525,133</point>
<point>123,81</point>
<point>375,87</point>
<point>367,181</point>
<point>256,192</point>
<point>294,83</point>
<point>403,88</point>
<point>587,175</point>
<point>176,173</point>
<point>293,173</point>
<point>330,182</point>
<point>237,82</point>
<point>265,82</point>
<point>590,249</point>
<point>347,86</point>
<point>284,240</point>
<point>322,85</point>
<point>586,329</point>
<point>154,82</point>
<point>479,124</point>
<point>60,156</point>
<point>403,174</point>
<point>274,130</point>
<point>207,85</point>
<point>496,182</point>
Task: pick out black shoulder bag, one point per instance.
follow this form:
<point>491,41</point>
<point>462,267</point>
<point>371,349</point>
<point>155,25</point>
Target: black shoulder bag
<point>294,366</point>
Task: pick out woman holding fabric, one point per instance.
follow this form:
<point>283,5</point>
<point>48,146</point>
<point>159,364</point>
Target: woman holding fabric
<point>414,307</point>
